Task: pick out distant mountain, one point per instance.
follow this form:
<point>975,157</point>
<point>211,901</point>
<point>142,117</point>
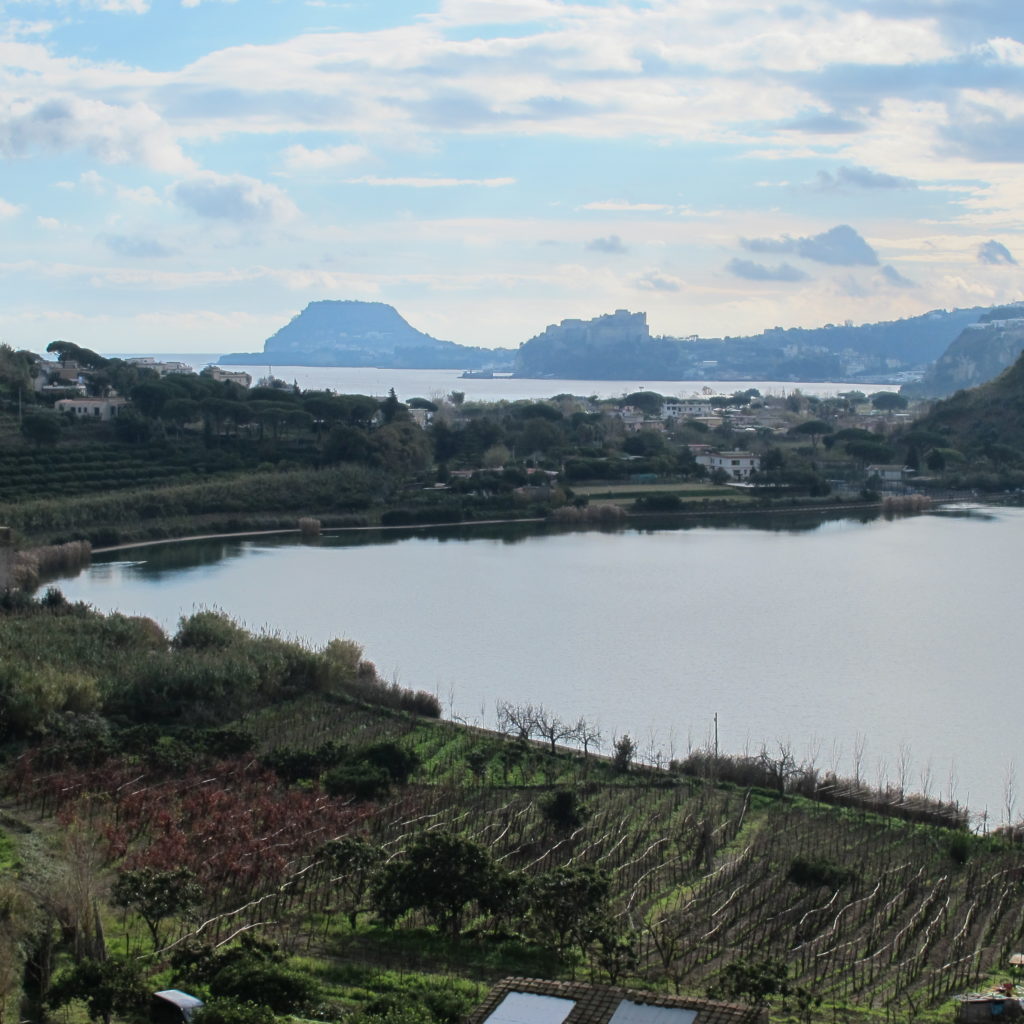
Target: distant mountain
<point>981,352</point>
<point>619,345</point>
<point>352,333</point>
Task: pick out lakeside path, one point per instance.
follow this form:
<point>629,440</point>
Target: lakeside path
<point>685,514</point>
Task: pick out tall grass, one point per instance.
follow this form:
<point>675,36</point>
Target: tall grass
<point>34,565</point>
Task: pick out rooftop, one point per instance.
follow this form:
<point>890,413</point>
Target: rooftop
<point>535,1001</point>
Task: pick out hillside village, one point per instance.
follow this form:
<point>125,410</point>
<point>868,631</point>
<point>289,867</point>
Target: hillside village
<point>719,888</point>
<point>88,442</point>
<point>444,459</point>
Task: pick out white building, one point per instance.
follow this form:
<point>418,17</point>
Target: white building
<point>677,408</point>
<point>234,376</point>
<point>738,465</point>
<point>103,409</point>
<point>162,368</point>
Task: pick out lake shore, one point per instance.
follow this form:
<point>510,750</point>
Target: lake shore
<point>635,517</point>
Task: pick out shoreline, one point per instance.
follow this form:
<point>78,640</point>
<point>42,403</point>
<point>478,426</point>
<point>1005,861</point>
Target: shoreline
<point>630,517</point>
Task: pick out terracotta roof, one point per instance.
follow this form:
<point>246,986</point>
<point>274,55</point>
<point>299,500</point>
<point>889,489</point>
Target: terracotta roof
<point>595,1004</point>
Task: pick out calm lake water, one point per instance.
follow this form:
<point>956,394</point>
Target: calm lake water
<point>903,637</point>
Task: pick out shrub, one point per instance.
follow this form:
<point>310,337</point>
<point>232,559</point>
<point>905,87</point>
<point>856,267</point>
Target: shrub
<point>564,809</point>
<point>813,873</point>
<point>268,983</point>
<point>361,781</point>
<point>231,1011</point>
<point>658,503</point>
<point>205,630</point>
<point>397,763</point>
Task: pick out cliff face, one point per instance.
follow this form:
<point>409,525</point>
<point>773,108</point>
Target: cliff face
<point>606,346</point>
<point>987,420</point>
<point>979,354</point>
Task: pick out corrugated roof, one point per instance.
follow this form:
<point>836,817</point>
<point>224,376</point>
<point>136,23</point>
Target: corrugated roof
<point>597,1004</point>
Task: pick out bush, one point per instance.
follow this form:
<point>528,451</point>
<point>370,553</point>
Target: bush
<point>564,809</point>
<point>659,503</point>
<point>397,763</point>
<point>268,983</point>
<point>360,781</point>
<point>814,873</point>
<point>232,1011</point>
<point>206,630</point>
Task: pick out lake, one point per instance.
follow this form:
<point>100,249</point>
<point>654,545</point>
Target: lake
<point>901,638</point>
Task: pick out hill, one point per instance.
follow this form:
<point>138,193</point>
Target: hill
<point>212,802</point>
<point>980,353</point>
<point>351,333</point>
<point>619,345</point>
<point>616,346</point>
<point>984,421</point>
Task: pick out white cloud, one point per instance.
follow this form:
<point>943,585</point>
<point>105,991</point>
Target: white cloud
<point>893,277</point>
<point>656,281</point>
<point>117,6</point>
<point>996,254</point>
<point>299,158</point>
<point>1005,51</point>
<point>233,197</point>
<point>503,12</point>
<point>49,223</point>
<point>431,182</point>
<point>624,206</point>
<point>609,244</point>
<point>8,210</point>
<point>840,246</point>
<point>144,195</point>
<point>132,134</point>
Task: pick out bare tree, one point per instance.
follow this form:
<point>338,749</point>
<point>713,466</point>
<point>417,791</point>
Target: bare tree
<point>519,720</point>
<point>588,734</point>
<point>551,727</point>
<point>1009,793</point>
<point>781,767</point>
<point>926,778</point>
<point>903,760</point>
<point>951,783</point>
<point>859,742</point>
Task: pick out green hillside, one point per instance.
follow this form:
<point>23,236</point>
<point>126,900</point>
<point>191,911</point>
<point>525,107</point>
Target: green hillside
<point>986,421</point>
<point>282,833</point>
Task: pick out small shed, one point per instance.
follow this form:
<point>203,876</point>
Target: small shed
<point>981,1009</point>
<point>172,1006</point>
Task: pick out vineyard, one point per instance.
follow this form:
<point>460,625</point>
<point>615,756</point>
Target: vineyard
<point>584,864</point>
<point>702,876</point>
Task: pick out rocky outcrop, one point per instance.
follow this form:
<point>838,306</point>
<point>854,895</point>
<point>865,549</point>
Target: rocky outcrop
<point>979,354</point>
<point>346,332</point>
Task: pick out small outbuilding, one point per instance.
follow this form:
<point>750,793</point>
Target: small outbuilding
<point>172,1006</point>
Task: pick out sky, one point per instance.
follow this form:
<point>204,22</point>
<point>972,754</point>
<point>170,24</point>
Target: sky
<point>186,175</point>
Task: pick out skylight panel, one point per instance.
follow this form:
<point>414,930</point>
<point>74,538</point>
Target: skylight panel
<point>639,1013</point>
<point>528,1008</point>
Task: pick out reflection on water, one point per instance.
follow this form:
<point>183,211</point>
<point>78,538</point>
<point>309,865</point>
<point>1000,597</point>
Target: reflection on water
<point>828,633</point>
